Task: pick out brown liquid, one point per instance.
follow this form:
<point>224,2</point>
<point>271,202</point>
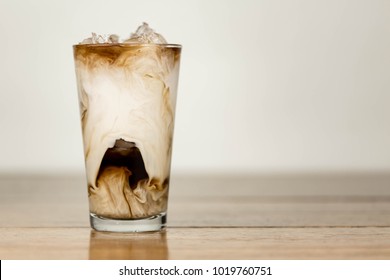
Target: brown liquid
<point>119,54</point>
<point>125,154</point>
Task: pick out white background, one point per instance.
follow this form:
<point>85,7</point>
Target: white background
<point>265,86</point>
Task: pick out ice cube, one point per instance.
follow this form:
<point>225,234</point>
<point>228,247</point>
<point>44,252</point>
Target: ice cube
<point>145,35</point>
<point>101,39</point>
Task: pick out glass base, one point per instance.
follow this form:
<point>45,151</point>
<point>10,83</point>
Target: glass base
<point>154,223</point>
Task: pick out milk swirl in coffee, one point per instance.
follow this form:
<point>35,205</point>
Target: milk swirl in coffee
<point>127,93</point>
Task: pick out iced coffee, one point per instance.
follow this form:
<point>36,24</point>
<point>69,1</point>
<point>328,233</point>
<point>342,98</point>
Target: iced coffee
<point>127,95</point>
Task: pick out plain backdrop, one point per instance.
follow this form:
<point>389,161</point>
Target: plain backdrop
<point>265,86</point>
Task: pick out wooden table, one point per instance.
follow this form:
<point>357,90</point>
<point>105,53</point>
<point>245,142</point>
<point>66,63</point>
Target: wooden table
<point>328,216</point>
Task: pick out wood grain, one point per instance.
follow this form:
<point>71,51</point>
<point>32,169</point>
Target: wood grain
<point>312,216</point>
<point>197,243</point>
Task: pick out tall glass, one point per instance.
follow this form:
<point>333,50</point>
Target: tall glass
<point>127,97</point>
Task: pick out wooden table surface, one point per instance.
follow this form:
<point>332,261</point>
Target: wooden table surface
<point>323,216</point>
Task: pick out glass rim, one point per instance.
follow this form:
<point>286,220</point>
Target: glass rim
<point>178,46</point>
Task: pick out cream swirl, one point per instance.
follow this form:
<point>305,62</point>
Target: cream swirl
<point>127,92</point>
